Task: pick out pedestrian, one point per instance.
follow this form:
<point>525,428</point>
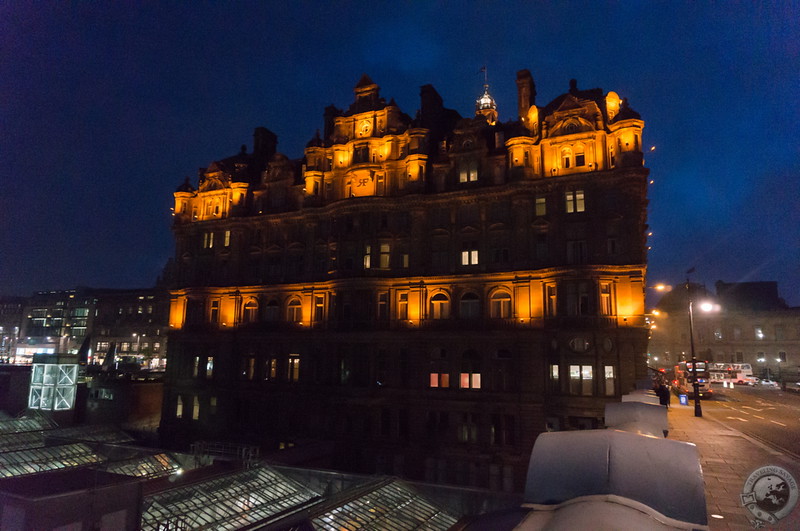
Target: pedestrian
<point>663,395</point>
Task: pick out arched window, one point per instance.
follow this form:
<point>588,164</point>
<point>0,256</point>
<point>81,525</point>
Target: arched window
<point>294,312</point>
<point>272,311</point>
<point>501,305</point>
<point>250,312</point>
<point>440,306</point>
<point>470,306</point>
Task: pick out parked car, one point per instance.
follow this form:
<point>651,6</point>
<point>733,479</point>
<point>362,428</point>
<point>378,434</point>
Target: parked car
<point>768,383</point>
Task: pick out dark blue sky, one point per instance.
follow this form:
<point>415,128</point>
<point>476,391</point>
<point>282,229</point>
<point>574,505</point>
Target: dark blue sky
<point>106,107</point>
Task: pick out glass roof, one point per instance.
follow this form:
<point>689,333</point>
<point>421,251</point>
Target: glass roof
<point>22,440</point>
<point>149,466</point>
<point>24,424</point>
<point>229,502</point>
<point>391,507</point>
<point>35,460</point>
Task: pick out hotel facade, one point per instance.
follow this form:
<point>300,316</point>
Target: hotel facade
<point>420,296</point>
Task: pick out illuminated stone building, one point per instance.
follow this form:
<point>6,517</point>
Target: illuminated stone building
<point>427,294</point>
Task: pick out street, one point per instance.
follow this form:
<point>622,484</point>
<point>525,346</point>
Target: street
<point>769,415</point>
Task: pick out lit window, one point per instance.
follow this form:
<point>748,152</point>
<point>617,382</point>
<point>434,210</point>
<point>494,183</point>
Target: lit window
<point>439,379</point>
<point>440,306</point>
<point>606,307</point>
<point>759,332</point>
<point>271,369</point>
<point>550,300</point>
<point>574,201</point>
<point>385,254</point>
<point>554,378</point>
<point>470,375</point>
<point>293,374</point>
<point>210,367</point>
<point>541,205</point>
<point>179,408</point>
<point>580,380</point>
<point>227,239</point>
<point>468,171</point>
<point>718,334</point>
<point>501,305</point>
<point>469,253</point>
<point>611,380</point>
<point>402,306</point>
<point>367,256</point>
<point>470,380</point>
<point>439,372</point>
<point>195,408</point>
<point>208,240</point>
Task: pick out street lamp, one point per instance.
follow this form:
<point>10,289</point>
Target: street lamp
<point>698,410</point>
<point>706,307</point>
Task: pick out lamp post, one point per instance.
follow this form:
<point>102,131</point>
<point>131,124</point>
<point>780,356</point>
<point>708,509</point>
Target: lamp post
<point>698,410</point>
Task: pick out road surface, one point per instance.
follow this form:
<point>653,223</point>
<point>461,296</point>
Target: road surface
<point>769,415</point>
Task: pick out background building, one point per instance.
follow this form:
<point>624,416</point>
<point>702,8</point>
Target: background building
<point>750,323</point>
<point>427,294</point>
<point>11,312</point>
<point>132,322</point>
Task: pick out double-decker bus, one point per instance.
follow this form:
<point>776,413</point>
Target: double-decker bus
<point>684,379</point>
<point>737,373</point>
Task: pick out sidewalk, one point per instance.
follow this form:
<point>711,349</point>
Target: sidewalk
<point>728,457</point>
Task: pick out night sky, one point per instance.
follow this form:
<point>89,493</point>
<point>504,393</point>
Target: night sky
<point>105,108</point>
